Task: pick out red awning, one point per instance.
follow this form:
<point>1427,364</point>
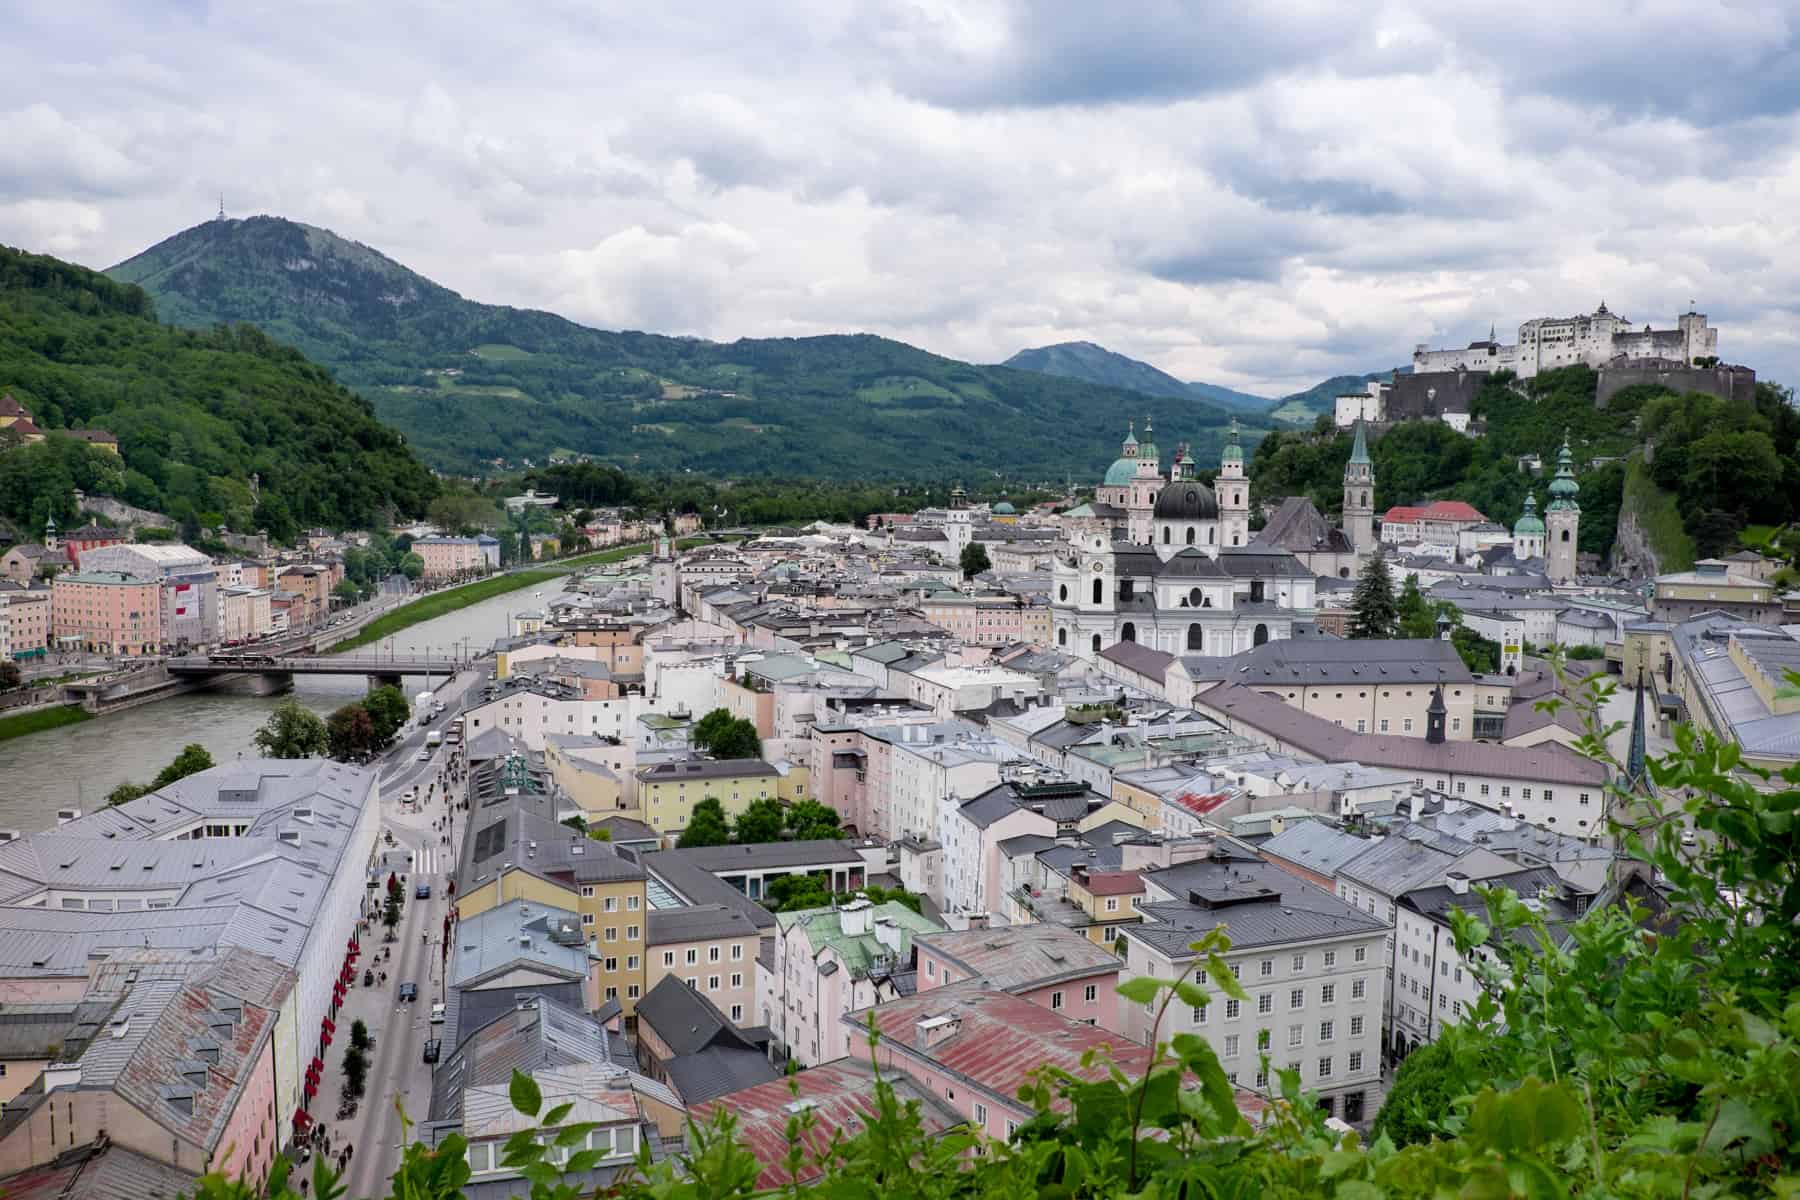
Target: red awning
<point>301,1118</point>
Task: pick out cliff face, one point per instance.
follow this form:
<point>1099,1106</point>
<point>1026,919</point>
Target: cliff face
<point>1632,554</point>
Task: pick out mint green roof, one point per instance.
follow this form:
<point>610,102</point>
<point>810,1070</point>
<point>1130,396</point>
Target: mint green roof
<point>1233,451</point>
<point>1359,453</point>
<point>824,927</point>
<point>1004,508</point>
<point>1563,488</point>
<point>1529,522</point>
<point>1120,473</point>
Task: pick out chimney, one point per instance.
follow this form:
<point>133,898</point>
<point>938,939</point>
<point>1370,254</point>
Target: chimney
<point>934,1031</point>
<point>887,933</point>
<point>1458,882</point>
<point>856,917</point>
<point>978,920</point>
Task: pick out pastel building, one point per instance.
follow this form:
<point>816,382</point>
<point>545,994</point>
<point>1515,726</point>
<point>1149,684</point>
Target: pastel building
<point>106,612</point>
<point>1052,967</point>
<point>447,557</point>
<point>189,610</point>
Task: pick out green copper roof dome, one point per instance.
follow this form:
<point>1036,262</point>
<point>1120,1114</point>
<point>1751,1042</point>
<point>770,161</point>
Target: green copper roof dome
<point>1233,451</point>
<point>1004,509</point>
<point>1120,473</point>
<point>1563,488</point>
<point>1147,448</point>
<point>1529,523</point>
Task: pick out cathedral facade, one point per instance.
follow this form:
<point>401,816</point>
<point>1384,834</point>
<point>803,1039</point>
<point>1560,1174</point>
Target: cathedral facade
<point>1175,570</point>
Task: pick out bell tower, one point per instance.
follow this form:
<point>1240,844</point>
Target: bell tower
<point>1562,519</point>
<point>1359,495</point>
<point>1233,489</point>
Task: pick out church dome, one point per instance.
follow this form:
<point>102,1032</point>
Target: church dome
<point>1121,473</point>
<point>1004,509</point>
<point>1530,523</point>
<point>1187,501</point>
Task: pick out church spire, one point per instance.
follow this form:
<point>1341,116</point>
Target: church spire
<point>1637,777</point>
<point>1359,453</point>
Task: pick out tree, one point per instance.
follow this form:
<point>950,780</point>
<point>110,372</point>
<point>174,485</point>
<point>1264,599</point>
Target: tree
<point>761,821</point>
<point>974,560</point>
<point>1428,1083</point>
<point>125,793</point>
<point>390,911</point>
<point>359,1035</point>
<point>388,713</point>
<point>347,591</point>
<point>356,1072</point>
<point>1373,610</point>
<point>412,565</point>
<point>292,731</point>
<point>193,757</point>
<point>708,727</point>
<point>706,826</point>
<point>10,675</point>
<point>350,734</point>
<point>737,740</point>
<point>810,821</point>
<point>791,893</point>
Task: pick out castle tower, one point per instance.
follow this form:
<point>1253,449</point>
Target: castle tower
<point>1233,489</point>
<point>957,527</point>
<point>1146,484</point>
<point>1359,495</point>
<point>1562,519</point>
<point>50,533</point>
<point>1528,531</point>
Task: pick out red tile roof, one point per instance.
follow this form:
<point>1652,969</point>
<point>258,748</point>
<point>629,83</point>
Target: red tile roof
<point>10,407</point>
<point>1437,510</point>
<point>840,1095</point>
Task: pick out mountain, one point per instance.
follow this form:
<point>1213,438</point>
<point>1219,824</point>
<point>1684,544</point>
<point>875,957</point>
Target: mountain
<point>476,385</point>
<point>1302,407</point>
<point>223,424</point>
<point>1097,364</point>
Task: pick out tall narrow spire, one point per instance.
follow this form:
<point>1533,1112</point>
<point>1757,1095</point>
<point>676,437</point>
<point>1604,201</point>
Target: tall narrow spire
<point>1359,453</point>
<point>1637,778</point>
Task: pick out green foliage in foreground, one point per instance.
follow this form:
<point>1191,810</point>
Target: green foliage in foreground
<point>1630,1056</point>
<point>438,603</point>
<point>20,724</point>
<point>196,412</point>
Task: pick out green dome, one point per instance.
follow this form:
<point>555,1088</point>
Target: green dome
<point>1121,473</point>
<point>1529,523</point>
<point>1004,509</point>
<point>1233,451</point>
<point>1563,489</point>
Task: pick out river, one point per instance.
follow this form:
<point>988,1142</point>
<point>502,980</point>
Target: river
<point>77,765</point>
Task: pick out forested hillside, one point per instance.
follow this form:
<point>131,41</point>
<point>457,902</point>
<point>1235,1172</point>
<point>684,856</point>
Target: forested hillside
<point>1097,364</point>
<point>1721,465</point>
<point>476,386</point>
<point>197,414</point>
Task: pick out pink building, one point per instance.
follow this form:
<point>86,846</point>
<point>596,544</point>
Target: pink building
<point>448,557</point>
<point>106,612</point>
<point>1052,967</point>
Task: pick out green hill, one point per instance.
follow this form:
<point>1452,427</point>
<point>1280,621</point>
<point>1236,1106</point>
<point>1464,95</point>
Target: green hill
<point>1097,364</point>
<point>1302,407</point>
<point>475,386</point>
<point>196,413</point>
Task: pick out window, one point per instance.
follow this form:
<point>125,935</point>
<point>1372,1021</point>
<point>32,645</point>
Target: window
<point>481,1157</point>
<point>712,983</point>
<point>1548,796</point>
<point>1525,793</point>
<point>1236,972</point>
<point>1012,1127</point>
<point>1330,958</point>
<point>631,933</point>
<point>1444,967</point>
<point>611,904</point>
<point>1112,904</point>
<point>1268,967</point>
<point>1055,1000</point>
<point>1362,952</point>
<point>1327,1030</point>
<point>631,904</point>
<point>737,952</point>
<point>1406,725</point>
<point>668,958</point>
<point>712,954</point>
<point>1584,799</point>
<point>587,918</point>
<point>1231,1010</point>
<point>610,965</point>
<point>612,933</point>
<point>1265,1003</point>
<point>1325,1067</point>
<point>1443,1001</point>
<point>931,968</point>
<point>1297,998</point>
<point>693,955</point>
<point>981,1115</point>
<point>1089,995</point>
<point>1356,1027</point>
<point>631,963</point>
<point>1200,1013</point>
<point>587,891</point>
<point>1262,1078</point>
<point>1355,1061</point>
<point>612,993</point>
<point>1458,975</point>
<point>1296,1035</point>
<point>1299,962</point>
<point>1231,1045</point>
<point>1456,1008</point>
<point>1357,989</point>
<point>1328,993</point>
<point>1384,725</point>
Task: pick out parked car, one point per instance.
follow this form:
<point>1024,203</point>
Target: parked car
<point>433,1048</point>
<point>409,992</point>
<point>437,1013</point>
<point>422,892</point>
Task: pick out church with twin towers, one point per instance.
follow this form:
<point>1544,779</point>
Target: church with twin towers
<point>1164,560</point>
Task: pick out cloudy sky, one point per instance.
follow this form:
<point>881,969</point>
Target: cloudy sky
<point>1257,195</point>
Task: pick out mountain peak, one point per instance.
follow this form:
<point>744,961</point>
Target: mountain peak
<point>1094,363</point>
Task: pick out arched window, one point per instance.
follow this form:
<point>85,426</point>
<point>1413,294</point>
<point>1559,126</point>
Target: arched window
<point>1099,593</point>
<point>1196,638</point>
<point>1128,632</point>
<point>1062,637</point>
<point>1194,597</point>
<point>1190,535</point>
<point>1165,535</point>
<point>1237,539</point>
<point>1096,643</point>
<point>1260,636</point>
<point>1565,535</point>
<point>1062,593</point>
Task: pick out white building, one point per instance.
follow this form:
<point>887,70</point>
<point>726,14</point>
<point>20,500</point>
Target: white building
<point>1595,339</point>
<point>970,835</point>
<point>528,709</point>
<point>1316,983</point>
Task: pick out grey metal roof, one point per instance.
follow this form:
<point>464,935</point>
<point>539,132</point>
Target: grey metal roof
<point>765,855</point>
<point>1315,845</point>
<point>700,922</point>
<point>716,1071</point>
<point>693,884</point>
<point>1023,957</point>
<point>539,1033</point>
<point>686,1021</point>
<point>1364,663</point>
<point>1262,905</point>
<point>518,934</point>
<point>1415,855</point>
<point>91,1172</point>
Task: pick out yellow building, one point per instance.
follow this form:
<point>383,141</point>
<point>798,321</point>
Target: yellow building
<point>794,782</point>
<point>667,792</point>
<point>1107,899</point>
<point>594,772</point>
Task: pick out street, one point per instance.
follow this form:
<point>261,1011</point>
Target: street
<point>397,1069</point>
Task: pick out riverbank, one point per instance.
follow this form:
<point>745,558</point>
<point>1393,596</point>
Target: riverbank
<point>438,604</point>
<point>20,724</point>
